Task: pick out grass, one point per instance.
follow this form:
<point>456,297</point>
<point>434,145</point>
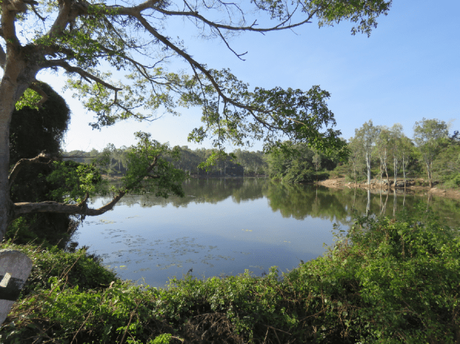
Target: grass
<point>385,281</point>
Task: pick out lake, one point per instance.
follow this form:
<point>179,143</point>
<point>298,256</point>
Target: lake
<point>226,226</point>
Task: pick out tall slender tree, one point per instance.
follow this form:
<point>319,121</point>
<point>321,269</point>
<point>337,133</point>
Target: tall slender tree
<point>396,134</point>
<point>366,136</point>
<point>382,147</point>
<point>428,136</point>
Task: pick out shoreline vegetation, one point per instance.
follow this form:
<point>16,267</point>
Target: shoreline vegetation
<point>385,281</point>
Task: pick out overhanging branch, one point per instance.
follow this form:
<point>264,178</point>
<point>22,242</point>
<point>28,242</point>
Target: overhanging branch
<point>84,74</point>
<point>281,26</point>
<point>61,208</point>
<point>21,208</point>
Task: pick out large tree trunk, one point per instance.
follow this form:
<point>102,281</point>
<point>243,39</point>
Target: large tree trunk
<point>6,110</point>
<point>15,81</point>
<point>4,166</point>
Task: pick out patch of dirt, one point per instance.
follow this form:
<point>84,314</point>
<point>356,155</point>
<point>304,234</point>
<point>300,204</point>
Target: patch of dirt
<point>340,183</point>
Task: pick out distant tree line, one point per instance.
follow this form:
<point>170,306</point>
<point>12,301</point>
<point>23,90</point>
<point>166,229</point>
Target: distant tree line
<point>386,153</point>
<point>375,152</point>
<point>240,163</point>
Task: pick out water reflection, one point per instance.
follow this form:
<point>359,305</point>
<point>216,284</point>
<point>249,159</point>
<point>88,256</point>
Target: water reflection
<point>224,226</point>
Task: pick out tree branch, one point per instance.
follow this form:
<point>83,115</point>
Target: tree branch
<point>280,26</point>
<point>84,74</point>
<point>63,18</point>
<point>39,159</point>
<point>34,86</point>
<point>61,208</point>
<point>77,209</point>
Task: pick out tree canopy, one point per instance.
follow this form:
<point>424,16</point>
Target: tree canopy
<point>90,40</point>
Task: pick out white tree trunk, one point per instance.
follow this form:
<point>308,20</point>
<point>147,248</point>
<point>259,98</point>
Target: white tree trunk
<point>368,164</point>
<point>395,170</point>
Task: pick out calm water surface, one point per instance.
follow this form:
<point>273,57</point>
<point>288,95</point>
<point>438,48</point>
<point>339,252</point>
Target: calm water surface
<point>225,226</point>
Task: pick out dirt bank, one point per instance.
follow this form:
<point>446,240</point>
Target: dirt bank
<point>340,183</point>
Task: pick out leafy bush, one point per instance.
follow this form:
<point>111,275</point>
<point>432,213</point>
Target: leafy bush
<point>74,269</point>
<point>453,181</point>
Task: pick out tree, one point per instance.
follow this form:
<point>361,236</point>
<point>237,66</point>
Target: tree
<point>406,148</point>
<point>79,37</point>
<point>355,156</point>
<point>446,165</point>
<point>428,136</point>
<point>317,160</point>
<point>383,146</point>
<point>366,136</point>
<point>395,147</point>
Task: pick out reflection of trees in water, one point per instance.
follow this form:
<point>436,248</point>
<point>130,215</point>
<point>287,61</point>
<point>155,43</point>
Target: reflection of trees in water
<point>212,191</point>
<point>300,201</point>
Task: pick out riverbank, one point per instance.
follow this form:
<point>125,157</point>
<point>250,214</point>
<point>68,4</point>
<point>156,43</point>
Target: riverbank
<point>384,281</point>
<point>340,183</point>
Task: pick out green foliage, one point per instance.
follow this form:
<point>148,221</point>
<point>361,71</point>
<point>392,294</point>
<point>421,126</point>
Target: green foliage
<point>429,135</point>
<point>114,160</point>
<point>299,115</point>
<point>162,339</point>
<point>294,163</point>
<point>148,170</point>
<point>453,181</point>
<point>54,264</point>
<point>74,181</point>
<point>42,229</point>
<point>362,12</point>
<point>446,165</point>
<point>29,99</point>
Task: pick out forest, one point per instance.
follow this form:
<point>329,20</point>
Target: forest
<point>377,152</point>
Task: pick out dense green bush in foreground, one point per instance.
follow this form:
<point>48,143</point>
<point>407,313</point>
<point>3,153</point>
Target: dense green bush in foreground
<point>385,281</point>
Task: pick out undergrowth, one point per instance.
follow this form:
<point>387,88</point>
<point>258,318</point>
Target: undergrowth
<point>385,281</point>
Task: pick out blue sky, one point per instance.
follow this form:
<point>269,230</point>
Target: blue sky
<point>408,69</point>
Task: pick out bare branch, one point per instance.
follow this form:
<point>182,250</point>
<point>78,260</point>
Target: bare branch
<point>281,26</point>
<point>84,74</point>
<point>42,158</point>
<point>229,47</point>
